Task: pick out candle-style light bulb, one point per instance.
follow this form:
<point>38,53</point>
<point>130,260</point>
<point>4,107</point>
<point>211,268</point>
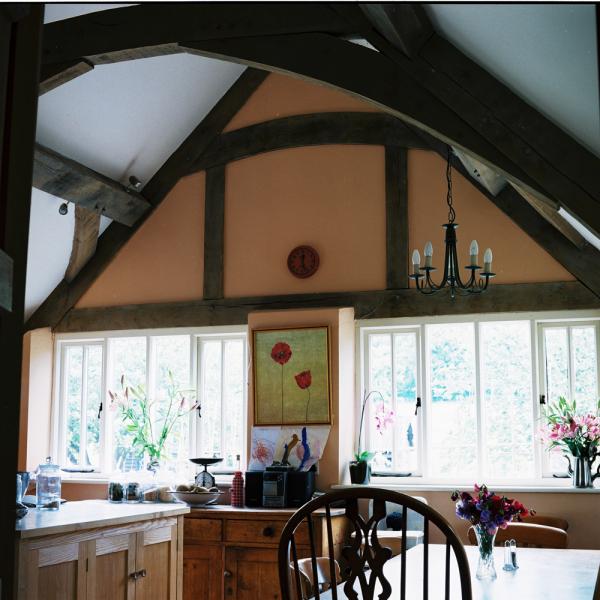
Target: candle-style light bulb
<point>416,261</point>
<point>428,252</point>
<point>487,261</point>
<point>474,251</point>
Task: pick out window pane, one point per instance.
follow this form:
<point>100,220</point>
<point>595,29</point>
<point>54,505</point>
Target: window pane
<point>453,422</point>
<point>381,442</point>
<point>233,398</point>
<point>405,425</point>
<point>74,385</point>
<point>556,344</point>
<point>128,357</point>
<point>585,374</point>
<point>508,410</point>
<point>210,398</point>
<point>93,399</point>
<point>172,355</point>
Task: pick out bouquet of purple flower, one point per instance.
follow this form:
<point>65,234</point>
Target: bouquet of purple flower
<point>488,510</point>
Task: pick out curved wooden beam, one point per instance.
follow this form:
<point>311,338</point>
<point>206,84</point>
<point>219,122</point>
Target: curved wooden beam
<point>132,32</point>
<point>418,96</point>
<point>449,98</point>
<point>316,129</point>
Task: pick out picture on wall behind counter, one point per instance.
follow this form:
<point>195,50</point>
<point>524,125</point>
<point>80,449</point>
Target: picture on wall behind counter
<point>292,382</point>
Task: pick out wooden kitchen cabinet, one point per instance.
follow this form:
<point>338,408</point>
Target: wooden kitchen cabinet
<point>138,560</point>
<point>231,554</point>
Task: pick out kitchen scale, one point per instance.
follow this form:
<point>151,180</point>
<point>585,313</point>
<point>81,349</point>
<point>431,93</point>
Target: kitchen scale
<point>204,478</point>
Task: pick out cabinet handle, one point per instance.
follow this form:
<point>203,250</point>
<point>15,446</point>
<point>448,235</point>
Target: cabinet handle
<point>137,574</point>
<point>226,573</point>
<point>268,532</point>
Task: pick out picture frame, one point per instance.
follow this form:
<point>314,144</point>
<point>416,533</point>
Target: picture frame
<point>292,376</point>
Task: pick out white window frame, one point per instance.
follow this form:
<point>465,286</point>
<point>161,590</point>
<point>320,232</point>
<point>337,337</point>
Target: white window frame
<point>536,321</point>
<point>364,376</point>
<point>543,380</point>
<point>223,337</point>
<point>58,422</point>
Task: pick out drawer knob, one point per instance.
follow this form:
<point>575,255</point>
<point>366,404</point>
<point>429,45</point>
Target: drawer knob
<point>226,573</point>
<point>268,531</point>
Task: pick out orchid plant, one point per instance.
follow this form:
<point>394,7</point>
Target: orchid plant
<point>579,434</point>
<point>384,417</point>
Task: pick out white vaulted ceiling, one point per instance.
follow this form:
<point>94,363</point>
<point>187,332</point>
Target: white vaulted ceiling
<point>127,118</point>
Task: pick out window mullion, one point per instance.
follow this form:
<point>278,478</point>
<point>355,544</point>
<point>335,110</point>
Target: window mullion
<point>536,377</point>
<point>479,405</point>
<point>394,403</point>
<point>571,364</point>
<point>83,407</point>
<point>222,411</point>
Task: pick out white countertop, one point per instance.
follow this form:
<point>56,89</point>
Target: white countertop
<point>89,514</point>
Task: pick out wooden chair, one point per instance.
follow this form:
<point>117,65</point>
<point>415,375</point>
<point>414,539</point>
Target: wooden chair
<point>529,535</point>
<point>307,581</point>
<point>364,554</point>
<point>547,520</point>
<point>597,587</point>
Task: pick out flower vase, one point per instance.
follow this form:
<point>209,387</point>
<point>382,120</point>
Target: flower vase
<point>580,469</point>
<point>485,543</point>
<point>360,472</point>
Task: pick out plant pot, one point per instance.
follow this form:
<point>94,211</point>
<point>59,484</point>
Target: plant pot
<point>580,469</point>
<point>360,472</point>
<point>485,543</point>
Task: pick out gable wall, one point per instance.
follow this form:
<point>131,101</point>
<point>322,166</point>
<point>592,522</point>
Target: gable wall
<point>331,197</point>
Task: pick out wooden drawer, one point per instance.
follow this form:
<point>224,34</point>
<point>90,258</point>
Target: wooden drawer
<point>202,530</point>
<point>263,531</point>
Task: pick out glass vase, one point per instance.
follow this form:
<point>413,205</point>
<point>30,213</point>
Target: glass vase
<point>485,543</point>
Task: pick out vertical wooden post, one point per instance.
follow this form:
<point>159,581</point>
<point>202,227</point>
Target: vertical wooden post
<point>20,46</point>
<point>396,209</point>
<point>214,232</point>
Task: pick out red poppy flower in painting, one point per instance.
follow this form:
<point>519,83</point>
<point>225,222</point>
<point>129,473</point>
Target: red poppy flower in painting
<point>303,379</point>
<point>281,353</point>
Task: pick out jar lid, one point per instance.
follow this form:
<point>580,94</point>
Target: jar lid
<point>48,465</point>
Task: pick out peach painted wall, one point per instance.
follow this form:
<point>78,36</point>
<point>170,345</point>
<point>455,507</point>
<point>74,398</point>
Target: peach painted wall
<point>36,398</point>
<point>164,259</point>
<point>283,96</point>
<point>517,258</point>
<point>330,197</point>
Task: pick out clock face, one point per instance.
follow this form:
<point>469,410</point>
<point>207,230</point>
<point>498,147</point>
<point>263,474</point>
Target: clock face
<point>303,261</point>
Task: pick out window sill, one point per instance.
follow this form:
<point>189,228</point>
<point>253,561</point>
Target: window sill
<point>446,487</point>
<point>103,479</point>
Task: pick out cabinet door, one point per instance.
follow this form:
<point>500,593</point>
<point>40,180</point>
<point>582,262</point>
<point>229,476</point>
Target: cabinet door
<point>53,572</point>
<point>114,568</point>
<point>251,573</point>
<point>158,564</point>
<point>202,572</point>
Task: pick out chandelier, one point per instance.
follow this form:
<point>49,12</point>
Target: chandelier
<point>451,278</point>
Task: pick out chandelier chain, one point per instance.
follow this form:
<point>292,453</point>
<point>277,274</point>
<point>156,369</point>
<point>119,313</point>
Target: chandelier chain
<point>451,212</point>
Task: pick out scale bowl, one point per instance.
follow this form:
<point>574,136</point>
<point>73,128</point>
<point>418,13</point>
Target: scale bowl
<point>206,461</point>
<point>196,499</point>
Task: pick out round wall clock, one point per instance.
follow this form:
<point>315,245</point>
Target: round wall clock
<point>303,261</point>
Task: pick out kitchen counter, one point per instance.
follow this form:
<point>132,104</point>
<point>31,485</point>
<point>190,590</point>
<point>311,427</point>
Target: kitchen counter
<point>91,514</point>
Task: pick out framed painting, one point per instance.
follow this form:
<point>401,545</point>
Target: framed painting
<point>292,380</point>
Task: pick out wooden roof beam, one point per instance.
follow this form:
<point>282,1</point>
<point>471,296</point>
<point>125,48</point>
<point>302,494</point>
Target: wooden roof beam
<point>403,24</point>
<point>71,181</point>
<point>68,293</point>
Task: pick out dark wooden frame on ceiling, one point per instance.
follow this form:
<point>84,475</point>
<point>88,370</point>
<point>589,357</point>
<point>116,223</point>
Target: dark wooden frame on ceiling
<point>416,76</point>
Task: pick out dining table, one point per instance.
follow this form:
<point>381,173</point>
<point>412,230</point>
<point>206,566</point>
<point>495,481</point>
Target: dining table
<point>542,574</point>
